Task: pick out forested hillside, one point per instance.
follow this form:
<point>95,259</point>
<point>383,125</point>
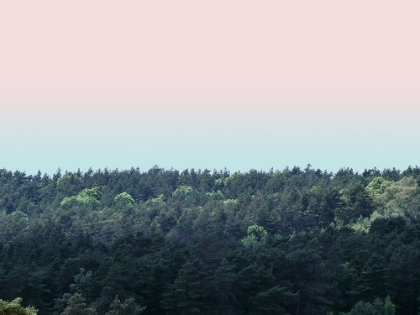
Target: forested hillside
<point>297,241</point>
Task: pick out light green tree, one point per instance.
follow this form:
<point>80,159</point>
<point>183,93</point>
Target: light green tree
<point>255,235</point>
<point>124,199</point>
<point>159,200</point>
<point>182,192</point>
<point>14,308</point>
<point>87,196</point>
<point>374,187</point>
<point>391,197</point>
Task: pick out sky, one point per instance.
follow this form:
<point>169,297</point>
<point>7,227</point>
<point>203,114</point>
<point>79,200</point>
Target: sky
<point>209,84</point>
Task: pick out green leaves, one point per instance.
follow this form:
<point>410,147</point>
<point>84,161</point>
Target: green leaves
<point>196,242</point>
<point>128,307</point>
<point>14,308</point>
<point>374,187</point>
<point>87,196</point>
<point>124,199</point>
<point>183,296</point>
<point>69,184</point>
<point>273,301</point>
<point>255,235</point>
<point>182,192</point>
<point>379,307</point>
<point>357,202</point>
<point>77,306</point>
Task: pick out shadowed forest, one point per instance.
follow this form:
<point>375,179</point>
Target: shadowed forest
<point>297,241</point>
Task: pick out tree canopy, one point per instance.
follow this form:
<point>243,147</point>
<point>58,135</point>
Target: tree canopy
<point>296,241</point>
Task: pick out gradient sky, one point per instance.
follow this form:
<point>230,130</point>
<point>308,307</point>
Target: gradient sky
<point>209,84</point>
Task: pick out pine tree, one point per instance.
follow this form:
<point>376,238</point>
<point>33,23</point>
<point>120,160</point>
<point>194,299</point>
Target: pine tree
<point>184,294</point>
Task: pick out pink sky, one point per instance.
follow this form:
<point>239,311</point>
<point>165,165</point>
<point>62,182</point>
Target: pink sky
<point>213,47</point>
<point>192,83</point>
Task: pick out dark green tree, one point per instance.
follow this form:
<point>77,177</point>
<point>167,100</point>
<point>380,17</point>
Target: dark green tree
<point>184,295</point>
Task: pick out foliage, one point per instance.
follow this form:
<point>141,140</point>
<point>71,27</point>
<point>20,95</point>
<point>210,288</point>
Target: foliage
<point>77,306</point>
<point>129,307</point>
<point>124,199</point>
<point>255,235</point>
<point>378,307</point>
<point>393,196</point>
<point>296,241</point>
<point>85,197</point>
<point>14,308</point>
<point>374,187</point>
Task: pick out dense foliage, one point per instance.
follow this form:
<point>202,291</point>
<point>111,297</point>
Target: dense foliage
<point>297,241</point>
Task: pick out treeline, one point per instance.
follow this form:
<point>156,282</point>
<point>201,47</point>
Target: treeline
<point>297,241</point>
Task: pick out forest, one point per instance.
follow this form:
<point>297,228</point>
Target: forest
<point>127,242</point>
